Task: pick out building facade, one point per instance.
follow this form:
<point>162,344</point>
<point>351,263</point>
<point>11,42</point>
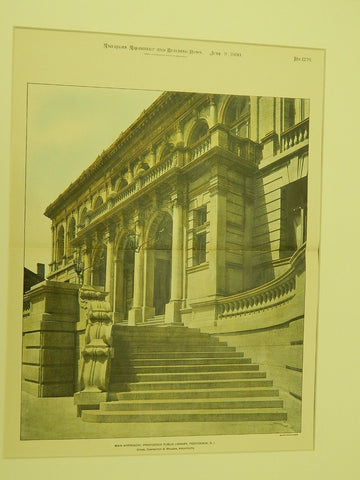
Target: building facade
<point>201,198</point>
<point>196,215</point>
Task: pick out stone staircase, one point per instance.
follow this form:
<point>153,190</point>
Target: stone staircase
<point>172,374</point>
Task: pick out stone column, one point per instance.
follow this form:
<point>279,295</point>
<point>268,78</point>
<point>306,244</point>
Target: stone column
<point>152,158</point>
<point>86,252</point>
<point>213,112</point>
<point>172,309</point>
<point>109,241</point>
<point>135,314</point>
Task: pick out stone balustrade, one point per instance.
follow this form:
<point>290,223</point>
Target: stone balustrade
<point>158,170</point>
<point>99,211</point>
<point>295,135</point>
<point>243,148</point>
<point>269,295</point>
<point>202,146</point>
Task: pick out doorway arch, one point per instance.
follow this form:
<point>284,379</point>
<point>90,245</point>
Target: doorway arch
<point>124,286</point>
<point>158,264</point>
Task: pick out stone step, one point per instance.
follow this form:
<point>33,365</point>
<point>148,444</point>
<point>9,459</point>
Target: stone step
<point>181,361</point>
<point>119,328</point>
<point>159,355</point>
<point>176,377</point>
<point>191,394</point>
<point>197,343</point>
<point>190,385</point>
<point>153,348</point>
<point>200,415</point>
<point>128,369</point>
<point>159,332</point>
<point>193,404</point>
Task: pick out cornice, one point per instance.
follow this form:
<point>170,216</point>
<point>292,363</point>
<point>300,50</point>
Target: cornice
<point>153,116</point>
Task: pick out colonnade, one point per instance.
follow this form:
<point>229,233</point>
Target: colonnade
<point>144,275</point>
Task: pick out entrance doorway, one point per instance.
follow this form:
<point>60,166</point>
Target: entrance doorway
<point>128,286</point>
<point>162,265</point>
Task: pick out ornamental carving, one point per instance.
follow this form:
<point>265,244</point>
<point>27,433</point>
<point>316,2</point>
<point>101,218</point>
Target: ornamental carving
<point>98,351</point>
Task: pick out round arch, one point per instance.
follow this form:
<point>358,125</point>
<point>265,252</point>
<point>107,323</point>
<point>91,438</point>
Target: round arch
<point>158,261</point>
<point>83,215</point>
<point>235,114</point>
<point>98,202</point>
<point>199,130</point>
<point>124,276</point>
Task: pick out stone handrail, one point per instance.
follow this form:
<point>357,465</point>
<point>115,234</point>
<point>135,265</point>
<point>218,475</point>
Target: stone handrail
<point>294,135</point>
<point>202,146</point>
<point>266,296</point>
<point>99,211</point>
<point>243,148</point>
<point>158,170</point>
<point>124,194</point>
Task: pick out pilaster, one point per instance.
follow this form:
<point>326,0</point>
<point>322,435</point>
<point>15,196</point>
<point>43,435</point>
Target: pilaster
<point>172,309</point>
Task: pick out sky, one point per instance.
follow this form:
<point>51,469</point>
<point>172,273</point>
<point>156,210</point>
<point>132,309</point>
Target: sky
<point>67,128</point>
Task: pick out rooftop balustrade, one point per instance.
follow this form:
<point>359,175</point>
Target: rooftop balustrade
<point>295,135</point>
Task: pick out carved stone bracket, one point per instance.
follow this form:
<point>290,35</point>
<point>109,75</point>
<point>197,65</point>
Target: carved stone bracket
<point>98,351</point>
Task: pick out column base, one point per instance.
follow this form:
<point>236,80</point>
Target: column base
<point>135,316</point>
<point>172,311</point>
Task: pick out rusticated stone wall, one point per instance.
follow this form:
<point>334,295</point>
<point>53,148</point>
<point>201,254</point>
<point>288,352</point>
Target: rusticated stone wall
<point>51,312</point>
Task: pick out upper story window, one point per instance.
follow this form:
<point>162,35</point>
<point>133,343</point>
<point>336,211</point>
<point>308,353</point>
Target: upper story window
<point>237,116</point>
<point>71,234</point>
<point>294,111</point>
<point>200,216</point>
<point>83,217</point>
<point>199,131</point>
<point>60,244</point>
<point>200,236</point>
<point>99,201</point>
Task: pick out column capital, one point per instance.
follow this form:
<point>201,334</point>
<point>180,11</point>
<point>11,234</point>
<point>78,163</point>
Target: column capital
<point>109,234</point>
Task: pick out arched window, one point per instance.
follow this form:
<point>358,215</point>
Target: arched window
<point>60,244</point>
<point>120,184</point>
<point>98,202</point>
<point>166,151</point>
<point>83,217</point>
<point>71,234</point>
<point>237,116</point>
<point>200,130</point>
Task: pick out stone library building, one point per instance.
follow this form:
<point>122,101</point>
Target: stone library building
<point>176,289</point>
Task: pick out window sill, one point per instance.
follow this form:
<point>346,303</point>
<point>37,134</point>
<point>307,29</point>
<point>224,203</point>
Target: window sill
<point>198,268</point>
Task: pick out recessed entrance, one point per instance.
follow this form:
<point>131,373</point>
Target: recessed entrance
<point>124,287</point>
<point>128,292</point>
<point>162,265</point>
